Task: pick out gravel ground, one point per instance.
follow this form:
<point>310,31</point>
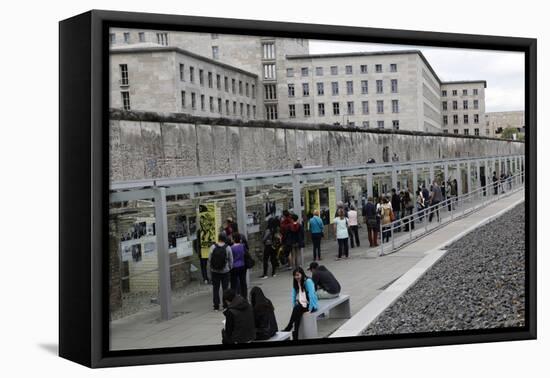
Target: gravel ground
<point>478,284</point>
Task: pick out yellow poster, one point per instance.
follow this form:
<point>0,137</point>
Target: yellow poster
<point>332,203</point>
<point>210,223</point>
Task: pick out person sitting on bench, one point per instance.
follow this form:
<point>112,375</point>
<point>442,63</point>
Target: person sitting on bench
<point>264,314</point>
<point>239,319</point>
<point>304,300</point>
<point>326,285</point>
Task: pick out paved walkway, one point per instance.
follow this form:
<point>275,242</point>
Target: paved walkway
<point>364,276</point>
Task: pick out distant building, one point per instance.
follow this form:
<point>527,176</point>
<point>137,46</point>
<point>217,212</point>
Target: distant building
<point>496,122</point>
<point>463,107</point>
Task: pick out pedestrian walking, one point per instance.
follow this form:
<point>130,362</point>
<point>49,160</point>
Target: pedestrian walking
<point>316,228</point>
<point>269,242</point>
<point>295,240</point>
<point>353,227</point>
<point>373,222</point>
<point>341,224</point>
<point>385,219</point>
<point>238,271</point>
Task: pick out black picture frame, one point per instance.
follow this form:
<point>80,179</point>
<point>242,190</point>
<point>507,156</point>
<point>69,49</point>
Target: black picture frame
<point>83,181</point>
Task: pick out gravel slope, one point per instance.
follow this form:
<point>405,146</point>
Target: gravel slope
<point>478,284</point>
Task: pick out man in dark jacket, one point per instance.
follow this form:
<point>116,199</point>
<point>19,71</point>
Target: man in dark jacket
<point>396,206</point>
<point>326,285</point>
<point>239,319</point>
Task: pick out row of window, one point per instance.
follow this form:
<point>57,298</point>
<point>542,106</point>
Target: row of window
<point>465,105</point>
<point>348,69</point>
<point>350,106</point>
<point>162,38</point>
<point>249,89</point>
<point>216,105</point>
<point>465,119</point>
<point>465,131</point>
<point>464,92</point>
<point>335,89</point>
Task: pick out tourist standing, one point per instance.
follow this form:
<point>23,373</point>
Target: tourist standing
<point>385,218</point>
<point>373,222</point>
<point>454,193</point>
<point>304,300</point>
<point>238,271</point>
<point>408,208</point>
<point>220,260</point>
<point>353,227</point>
<point>269,250</point>
<point>264,314</point>
<point>420,205</point>
<point>396,207</point>
<point>495,183</point>
<point>295,241</point>
<point>239,319</point>
<point>435,199</point>
<point>341,224</point>
<point>316,227</point>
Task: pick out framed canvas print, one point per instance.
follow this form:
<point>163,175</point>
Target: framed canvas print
<point>234,188</point>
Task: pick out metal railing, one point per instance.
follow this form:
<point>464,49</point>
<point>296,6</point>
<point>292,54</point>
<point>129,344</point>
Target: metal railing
<point>417,225</point>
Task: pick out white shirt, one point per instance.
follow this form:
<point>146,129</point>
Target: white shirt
<point>341,228</point>
<point>302,298</point>
<point>352,216</point>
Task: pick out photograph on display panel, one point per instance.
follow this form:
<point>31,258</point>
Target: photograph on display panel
<point>407,162</point>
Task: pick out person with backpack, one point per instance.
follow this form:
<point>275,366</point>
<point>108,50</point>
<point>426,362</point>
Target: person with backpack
<point>221,262</point>
<point>341,225</point>
<point>264,314</point>
<point>238,269</point>
<point>316,227</point>
<point>239,319</point>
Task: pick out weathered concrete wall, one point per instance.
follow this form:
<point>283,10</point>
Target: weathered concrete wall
<point>147,145</point>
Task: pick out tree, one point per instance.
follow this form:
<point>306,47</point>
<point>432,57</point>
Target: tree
<point>508,133</point>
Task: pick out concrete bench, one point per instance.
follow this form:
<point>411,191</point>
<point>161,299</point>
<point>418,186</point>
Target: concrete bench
<point>279,336</point>
<point>335,308</point>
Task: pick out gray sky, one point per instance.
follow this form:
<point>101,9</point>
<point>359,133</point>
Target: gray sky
<point>503,70</point>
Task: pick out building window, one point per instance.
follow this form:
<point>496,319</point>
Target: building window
<point>247,90</point>
<point>334,85</point>
<point>380,106</point>
<point>455,131</point>
<point>445,131</point>
<point>334,70</point>
<point>466,132</point>
<point>455,92</point>
<point>475,92</point>
<point>378,68</point>
<point>366,124</point>
<point>192,74</point>
<point>393,67</point>
<point>444,105</point>
<point>126,37</point>
<point>162,39</point>
<point>269,50</point>
<point>476,104</point>
<point>227,107</point>
<point>349,87</point>
<point>292,111</point>
<point>321,109</point>
<point>305,89</point>
<point>240,87</point>
<point>247,110</point>
<point>290,90</point>
<point>307,111</point>
<point>254,111</point>
<point>394,85</point>
<point>211,103</point>
<point>351,108</point>
<point>305,71</point>
<point>336,108</point>
<point>182,72</point>
<point>445,120</point>
<point>112,38</point>
<point>364,86</point>
<point>444,93</point>
<point>464,92</point>
<point>220,110</point>
<point>476,118</point>
<point>380,125</point>
<point>320,89</point>
<point>319,71</point>
<point>271,91</point>
<point>218,82</point>
<point>379,86</point>
<point>233,86</point>
<point>365,107</point>
<point>455,105</point>
<point>271,112</point>
<point>476,132</point>
<point>125,100</point>
<point>215,52</point>
<point>455,119</point>
<point>395,124</point>
<point>141,36</point>
<point>193,100</point>
<point>124,74</point>
<point>210,80</point>
<point>395,106</point>
<point>201,77</point>
<point>253,91</point>
<point>290,72</point>
<point>183,99</point>
<point>349,70</point>
<point>269,72</point>
<point>465,104</point>
<point>203,106</point>
<point>465,119</point>
<point>234,107</point>
<point>241,107</point>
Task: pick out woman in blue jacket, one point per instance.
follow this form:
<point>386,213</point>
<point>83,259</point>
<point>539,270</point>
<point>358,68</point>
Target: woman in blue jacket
<point>304,300</point>
<point>316,228</point>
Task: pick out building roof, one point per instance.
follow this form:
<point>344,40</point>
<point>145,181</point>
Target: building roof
<point>148,47</point>
<point>378,53</point>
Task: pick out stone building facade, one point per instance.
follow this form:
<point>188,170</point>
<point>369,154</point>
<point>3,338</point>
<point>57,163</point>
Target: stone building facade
<point>496,122</point>
<point>463,107</point>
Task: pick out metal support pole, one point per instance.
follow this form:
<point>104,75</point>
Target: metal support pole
<point>338,186</point>
<point>469,176</point>
<point>161,229</point>
<point>240,202</point>
<point>394,178</point>
<point>297,194</point>
<point>446,174</point>
<point>369,184</point>
<point>415,185</point>
<point>459,179</point>
<point>432,174</point>
<point>478,169</point>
